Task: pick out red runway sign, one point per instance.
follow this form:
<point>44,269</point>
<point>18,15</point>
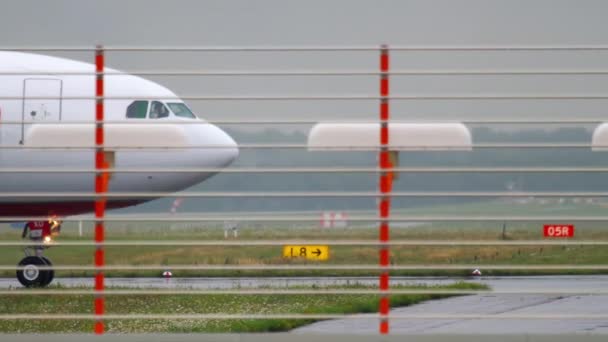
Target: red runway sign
<point>558,230</point>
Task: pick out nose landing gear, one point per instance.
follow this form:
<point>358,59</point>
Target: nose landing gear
<point>30,273</point>
<point>35,270</point>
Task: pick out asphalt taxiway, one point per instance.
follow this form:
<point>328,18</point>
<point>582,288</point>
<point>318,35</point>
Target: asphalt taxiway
<point>515,305</point>
<point>535,284</point>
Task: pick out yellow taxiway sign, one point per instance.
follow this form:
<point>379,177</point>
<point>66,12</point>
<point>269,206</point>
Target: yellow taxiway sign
<point>318,253</point>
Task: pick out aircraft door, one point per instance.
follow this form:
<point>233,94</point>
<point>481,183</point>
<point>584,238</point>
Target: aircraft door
<point>41,102</point>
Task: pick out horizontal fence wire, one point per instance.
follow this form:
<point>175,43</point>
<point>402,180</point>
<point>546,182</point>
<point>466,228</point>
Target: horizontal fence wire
<point>302,194</point>
<point>421,316</point>
<point>283,291</point>
<point>337,72</point>
<point>314,218</point>
<point>312,267</point>
<point>552,121</point>
<point>281,97</point>
<point>411,148</point>
<point>245,243</point>
<point>315,48</point>
<point>556,169</point>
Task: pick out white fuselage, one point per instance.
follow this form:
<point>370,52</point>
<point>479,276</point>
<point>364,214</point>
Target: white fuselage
<point>39,108</point>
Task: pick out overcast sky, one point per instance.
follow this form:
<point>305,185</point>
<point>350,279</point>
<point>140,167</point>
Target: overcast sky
<point>31,23</point>
<point>225,22</point>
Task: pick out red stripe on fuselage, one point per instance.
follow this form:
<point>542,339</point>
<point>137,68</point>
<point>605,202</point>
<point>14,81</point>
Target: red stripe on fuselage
<point>58,208</point>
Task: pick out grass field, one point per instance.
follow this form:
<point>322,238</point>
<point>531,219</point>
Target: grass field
<point>401,255</point>
<point>198,304</point>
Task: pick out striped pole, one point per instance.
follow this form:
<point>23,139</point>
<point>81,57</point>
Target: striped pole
<point>385,188</point>
<point>101,184</point>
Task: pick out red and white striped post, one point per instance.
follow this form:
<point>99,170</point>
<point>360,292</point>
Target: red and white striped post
<point>385,188</point>
<point>101,185</point>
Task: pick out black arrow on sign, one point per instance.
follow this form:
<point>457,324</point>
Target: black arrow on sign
<point>317,252</point>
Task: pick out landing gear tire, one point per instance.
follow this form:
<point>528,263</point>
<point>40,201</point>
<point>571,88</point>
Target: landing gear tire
<point>29,273</point>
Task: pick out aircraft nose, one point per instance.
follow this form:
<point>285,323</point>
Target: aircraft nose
<point>223,150</point>
<point>230,149</point>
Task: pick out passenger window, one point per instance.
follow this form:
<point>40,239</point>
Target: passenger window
<point>137,110</point>
<point>158,110</point>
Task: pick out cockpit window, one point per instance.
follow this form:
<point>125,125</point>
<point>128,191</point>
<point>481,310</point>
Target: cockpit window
<point>137,110</point>
<point>180,109</point>
<point>158,110</point>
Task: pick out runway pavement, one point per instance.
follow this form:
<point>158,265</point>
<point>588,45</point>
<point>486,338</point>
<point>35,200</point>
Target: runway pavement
<point>578,300</point>
<point>584,284</point>
<point>231,283</point>
<point>492,306</point>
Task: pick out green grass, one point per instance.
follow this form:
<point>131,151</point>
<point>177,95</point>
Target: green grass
<point>199,304</point>
<point>401,255</point>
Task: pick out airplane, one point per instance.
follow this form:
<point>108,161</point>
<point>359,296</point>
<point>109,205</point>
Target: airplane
<point>47,104</point>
